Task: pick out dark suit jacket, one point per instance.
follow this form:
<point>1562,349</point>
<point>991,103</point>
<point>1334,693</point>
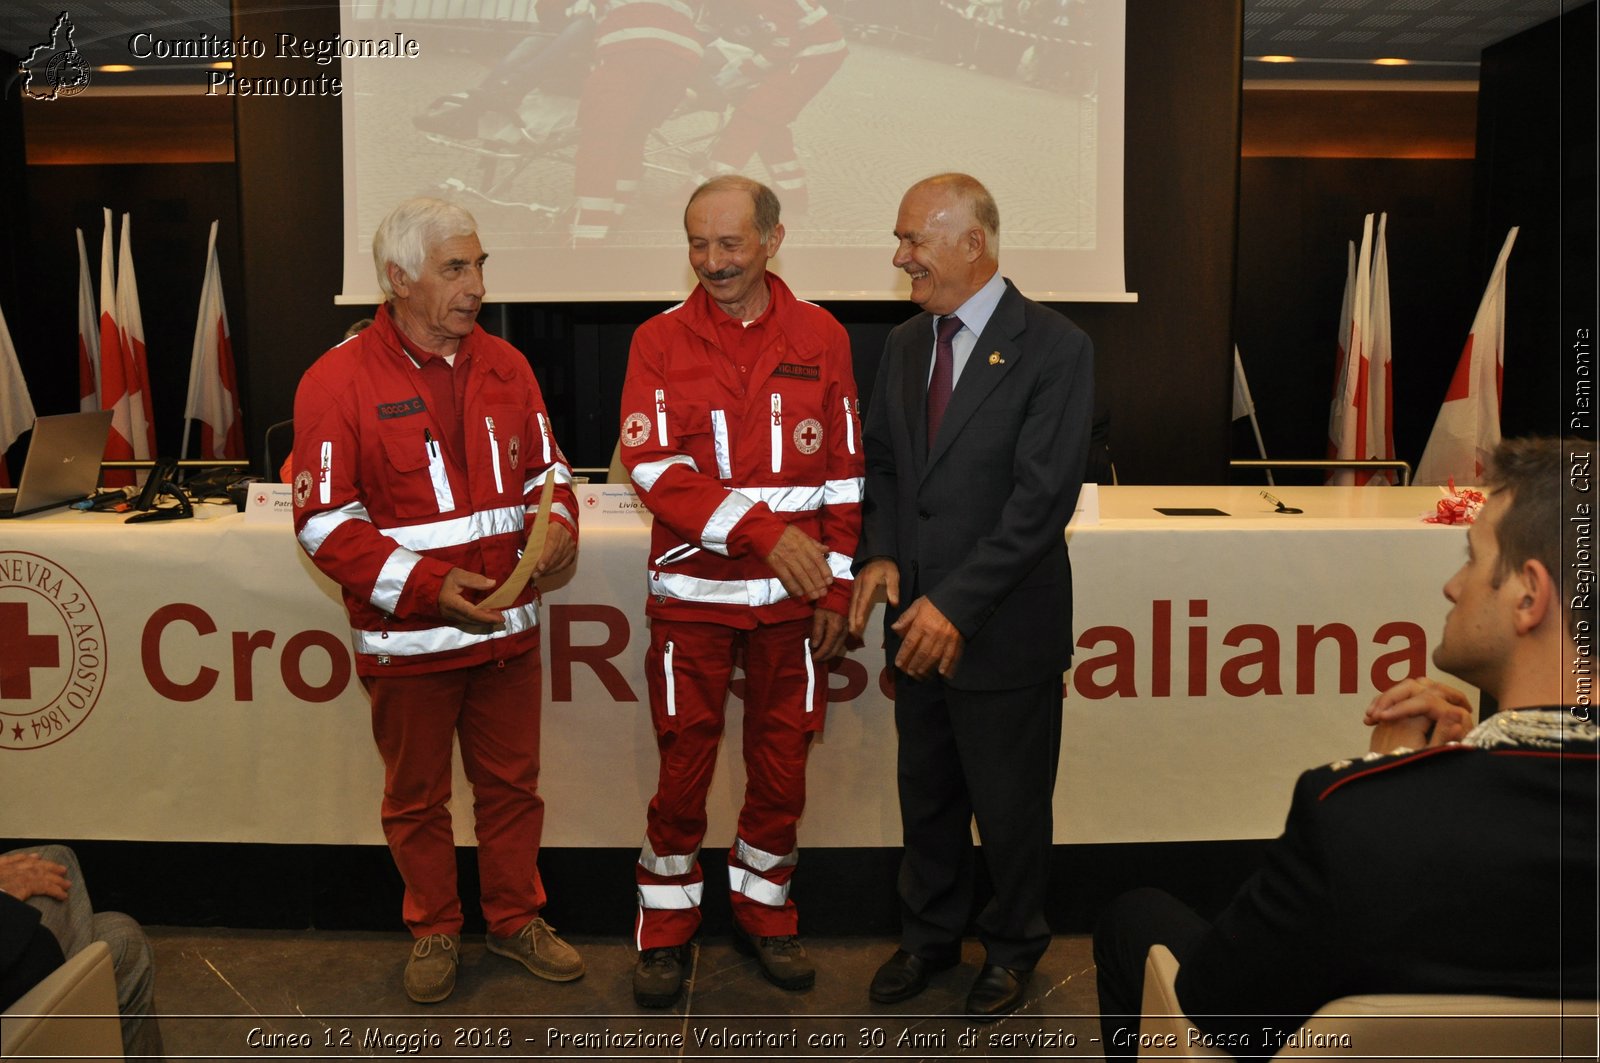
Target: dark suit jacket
<point>976,522</point>
<point>28,951</point>
<point>1450,870</point>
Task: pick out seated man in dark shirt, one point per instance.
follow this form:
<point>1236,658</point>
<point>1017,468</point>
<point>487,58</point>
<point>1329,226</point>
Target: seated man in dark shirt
<point>45,916</point>
<point>1449,859</point>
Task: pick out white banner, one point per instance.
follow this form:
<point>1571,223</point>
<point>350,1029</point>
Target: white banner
<point>192,681</point>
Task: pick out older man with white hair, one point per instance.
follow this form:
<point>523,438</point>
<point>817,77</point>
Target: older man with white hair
<point>420,447</point>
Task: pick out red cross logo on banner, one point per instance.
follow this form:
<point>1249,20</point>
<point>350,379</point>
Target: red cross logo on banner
<point>52,651</point>
<point>21,652</point>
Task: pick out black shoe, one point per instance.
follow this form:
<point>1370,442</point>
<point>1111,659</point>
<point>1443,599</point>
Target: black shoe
<point>658,976</point>
<point>903,976</point>
<point>783,959</point>
<point>997,991</point>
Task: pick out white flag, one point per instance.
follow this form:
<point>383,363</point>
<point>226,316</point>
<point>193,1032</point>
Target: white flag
<point>1377,436</point>
<point>1468,427</point>
<point>1346,425</point>
<point>114,368</point>
<point>131,324</point>
<point>88,336</point>
<point>213,390</point>
<point>16,405</point>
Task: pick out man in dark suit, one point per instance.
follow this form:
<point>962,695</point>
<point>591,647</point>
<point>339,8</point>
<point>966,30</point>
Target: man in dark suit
<point>1451,858</point>
<point>976,438</point>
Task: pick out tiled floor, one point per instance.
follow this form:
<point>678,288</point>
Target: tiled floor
<point>233,994</point>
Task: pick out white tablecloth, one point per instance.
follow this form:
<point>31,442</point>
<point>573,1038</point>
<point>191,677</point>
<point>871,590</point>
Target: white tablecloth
<point>190,681</point>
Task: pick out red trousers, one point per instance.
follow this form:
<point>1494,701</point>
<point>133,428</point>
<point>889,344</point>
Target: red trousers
<point>494,709</point>
<point>624,98</point>
<point>688,667</point>
<point>760,123</point>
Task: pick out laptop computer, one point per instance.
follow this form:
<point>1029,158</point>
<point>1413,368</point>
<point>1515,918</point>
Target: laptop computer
<point>63,463</point>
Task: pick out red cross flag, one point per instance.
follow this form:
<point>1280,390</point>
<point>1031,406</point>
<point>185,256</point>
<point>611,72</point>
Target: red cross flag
<point>213,389</point>
<point>1468,427</point>
<point>88,336</point>
<point>131,322</point>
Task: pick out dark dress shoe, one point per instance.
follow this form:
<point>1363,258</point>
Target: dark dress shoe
<point>996,992</point>
<point>903,976</point>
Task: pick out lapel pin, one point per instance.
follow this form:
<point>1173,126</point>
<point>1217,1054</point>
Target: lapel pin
<point>995,359</point>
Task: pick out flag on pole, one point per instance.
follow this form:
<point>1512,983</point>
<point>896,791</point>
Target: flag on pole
<point>16,405</point>
<point>1468,427</point>
<point>88,336</point>
<point>1245,406</point>
<point>131,322</point>
<point>213,391</point>
<point>1379,413</point>
<point>113,370</point>
<point>1346,419</point>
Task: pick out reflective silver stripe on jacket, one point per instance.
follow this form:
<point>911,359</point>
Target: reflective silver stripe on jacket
<point>796,499</point>
<point>750,592</point>
<point>458,531</point>
<point>392,578</point>
<point>760,859</point>
<point>534,483</point>
<point>649,33</point>
<point>719,441</point>
<point>439,639</point>
<point>685,896</point>
<point>842,492</point>
<point>671,864</point>
<point>729,512</point>
<point>821,49</point>
<point>316,529</point>
<point>757,888</point>
<point>805,499</point>
<point>646,473</point>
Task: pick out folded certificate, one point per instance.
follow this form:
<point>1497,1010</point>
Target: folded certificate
<point>507,592</point>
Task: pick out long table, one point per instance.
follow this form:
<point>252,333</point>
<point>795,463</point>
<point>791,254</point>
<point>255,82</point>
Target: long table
<point>191,681</point>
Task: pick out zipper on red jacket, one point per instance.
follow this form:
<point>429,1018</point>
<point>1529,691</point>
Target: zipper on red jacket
<point>672,687</point>
<point>777,432</point>
<point>494,454</point>
<point>544,436</point>
<point>442,495</point>
<point>661,416</point>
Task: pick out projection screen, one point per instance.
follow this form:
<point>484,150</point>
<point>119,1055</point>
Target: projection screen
<point>839,109</point>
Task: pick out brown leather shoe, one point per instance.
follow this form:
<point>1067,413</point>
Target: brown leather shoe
<point>431,971</point>
<point>537,948</point>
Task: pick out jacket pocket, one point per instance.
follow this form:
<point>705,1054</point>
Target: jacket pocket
<point>409,488</point>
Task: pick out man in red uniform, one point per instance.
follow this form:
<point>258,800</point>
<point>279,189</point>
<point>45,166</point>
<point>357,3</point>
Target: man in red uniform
<point>645,54</point>
<point>420,446</point>
<point>741,432</point>
<point>791,65</point>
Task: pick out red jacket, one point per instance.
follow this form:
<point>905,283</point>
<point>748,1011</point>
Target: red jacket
<point>725,461</point>
<point>386,512</point>
<point>628,27</point>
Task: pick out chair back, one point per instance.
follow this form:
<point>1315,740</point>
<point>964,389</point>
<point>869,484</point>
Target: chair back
<point>70,1015</point>
<point>1445,1028</point>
